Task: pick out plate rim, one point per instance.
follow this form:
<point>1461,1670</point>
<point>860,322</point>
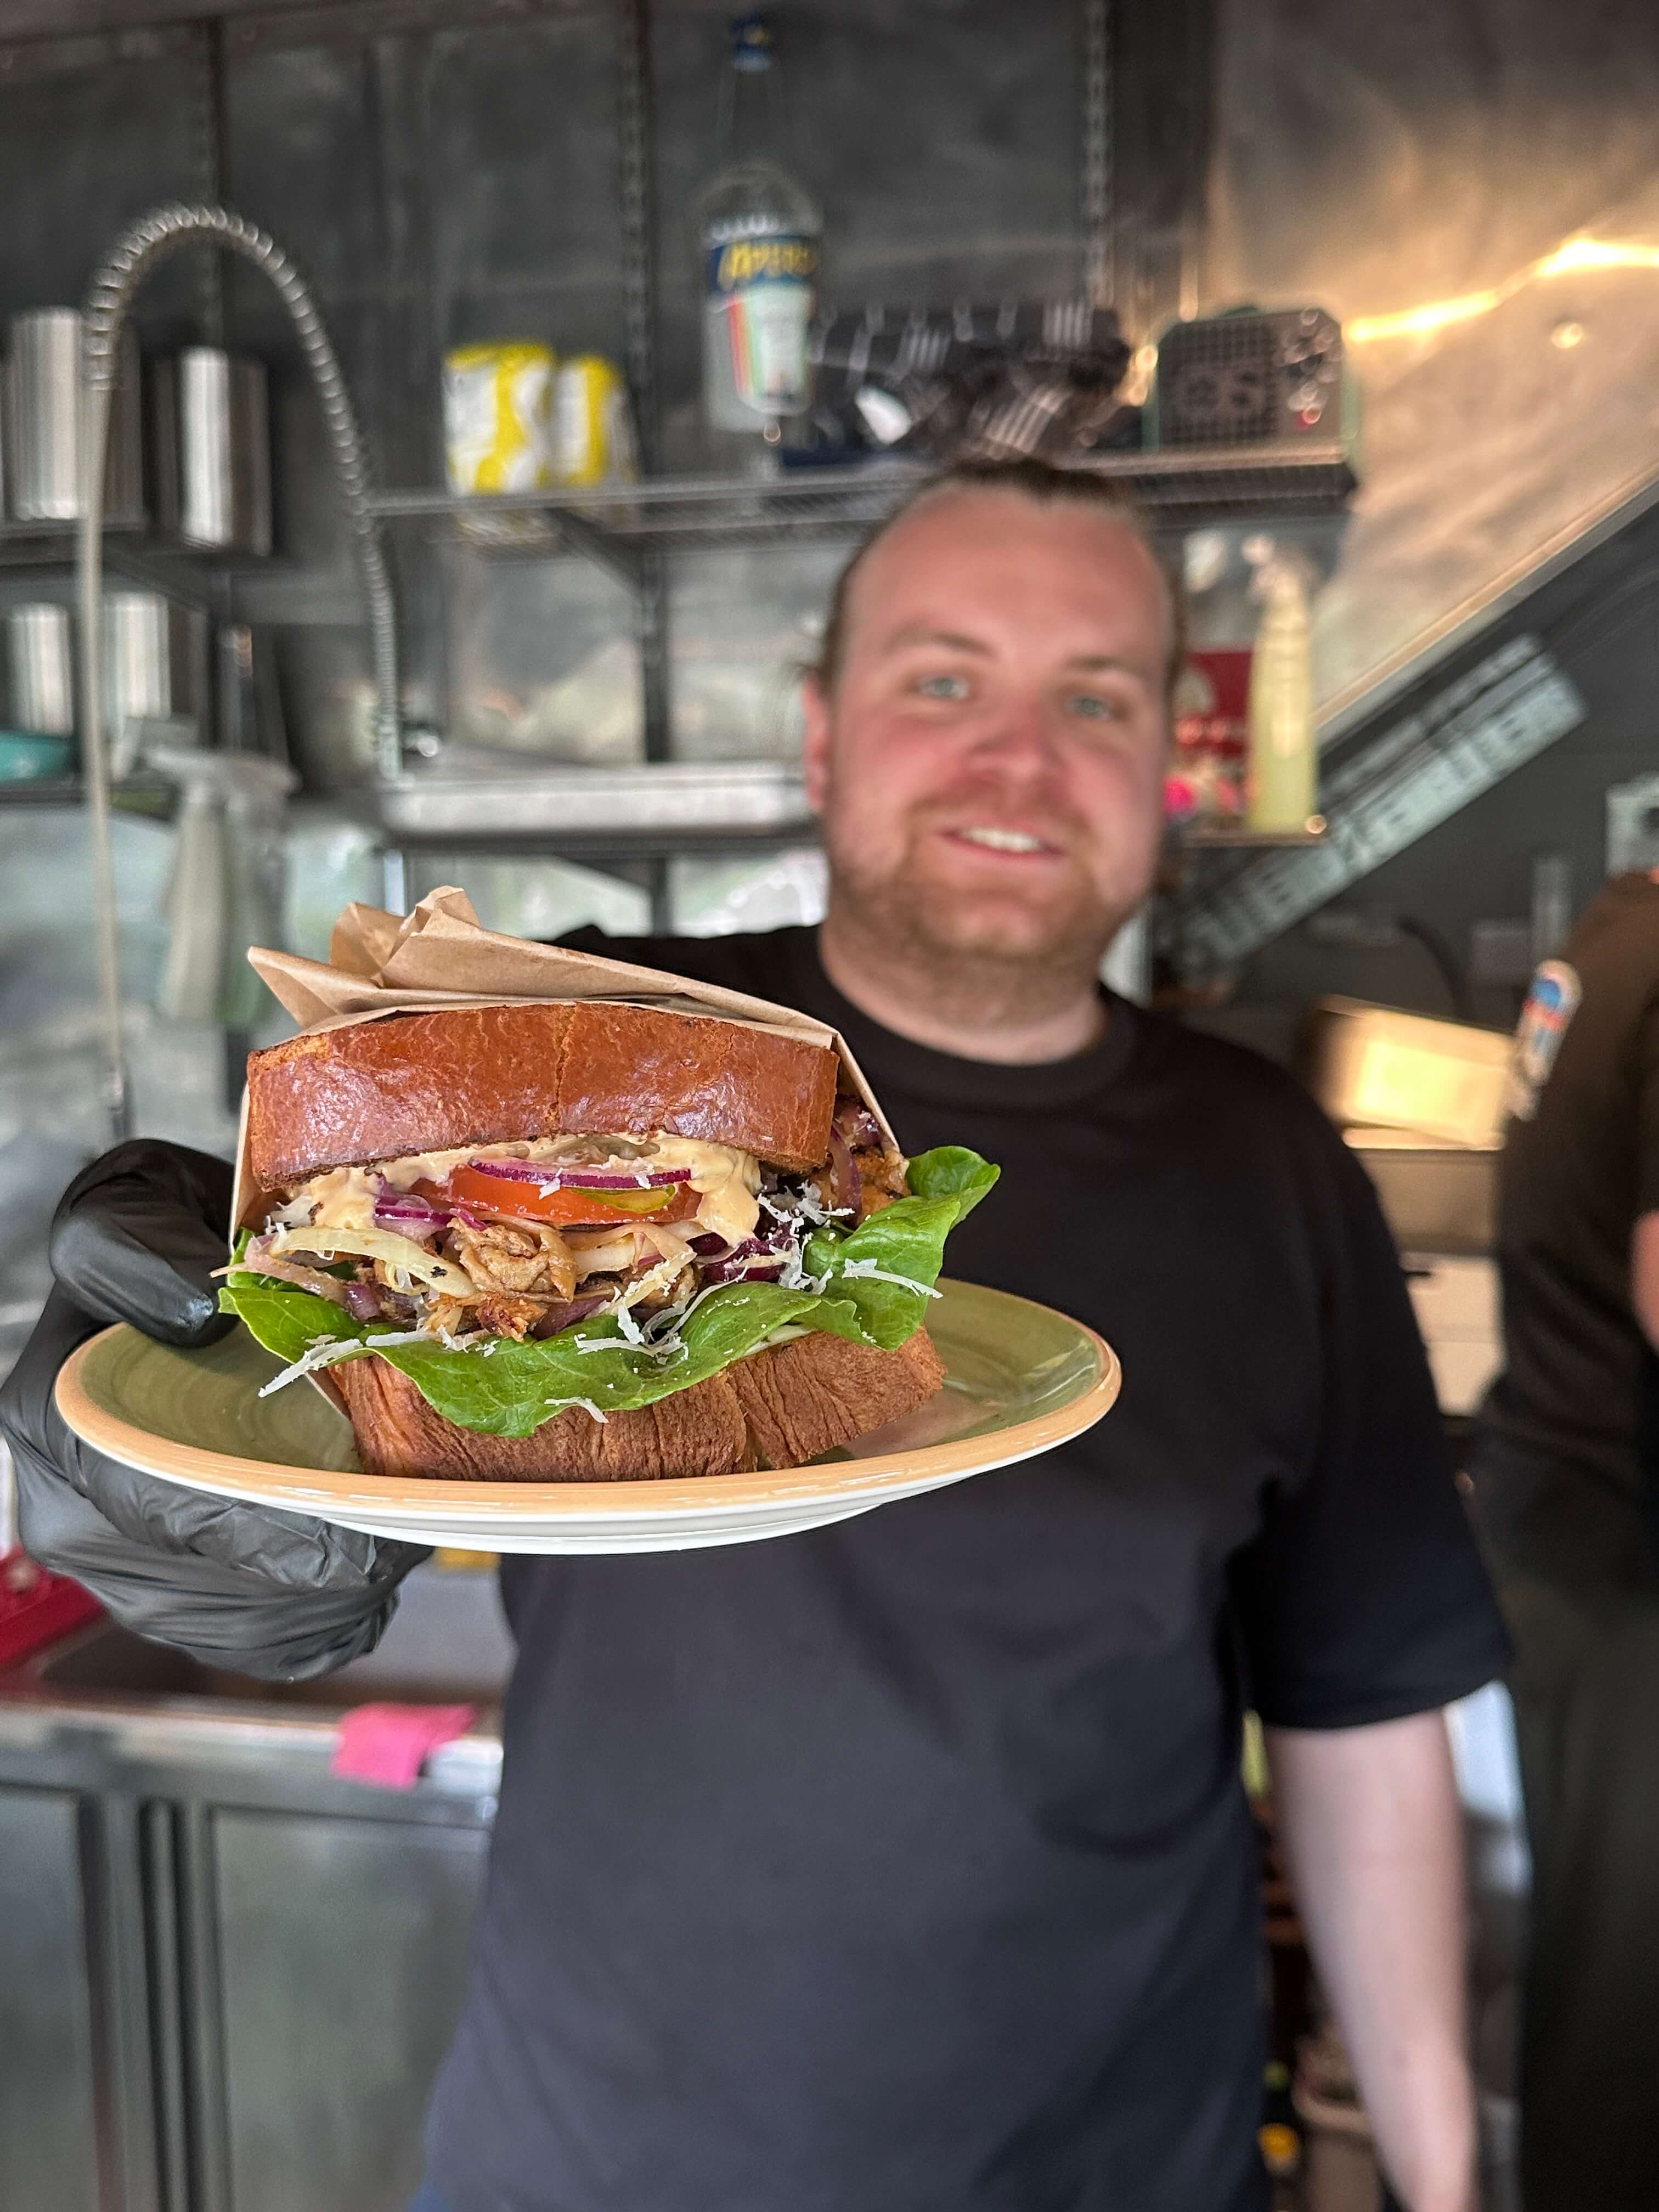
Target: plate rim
<point>314,1489</point>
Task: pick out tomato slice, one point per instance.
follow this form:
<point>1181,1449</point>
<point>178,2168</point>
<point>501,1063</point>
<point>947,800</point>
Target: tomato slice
<point>566,1208</point>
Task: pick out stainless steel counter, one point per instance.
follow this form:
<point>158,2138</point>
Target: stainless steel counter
<point>108,1696</point>
<point>228,1976</point>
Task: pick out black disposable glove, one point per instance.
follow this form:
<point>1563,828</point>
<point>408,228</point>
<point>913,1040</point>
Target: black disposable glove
<point>135,1239</point>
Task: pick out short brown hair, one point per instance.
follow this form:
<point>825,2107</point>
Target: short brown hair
<point>1033,480</point>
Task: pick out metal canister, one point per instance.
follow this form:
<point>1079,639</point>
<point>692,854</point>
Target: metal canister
<point>498,411</point>
<point>39,665</point>
<point>592,432</point>
<point>211,447</point>
<point>43,423</point>
<point>155,671</point>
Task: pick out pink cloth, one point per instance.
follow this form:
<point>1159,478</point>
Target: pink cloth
<point>389,1744</point>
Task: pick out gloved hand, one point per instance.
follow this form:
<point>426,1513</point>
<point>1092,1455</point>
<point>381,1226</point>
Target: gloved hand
<point>135,1239</point>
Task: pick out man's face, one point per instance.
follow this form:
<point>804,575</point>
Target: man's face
<point>990,769</point>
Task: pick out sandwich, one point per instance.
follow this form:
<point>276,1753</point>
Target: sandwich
<point>588,1241</point>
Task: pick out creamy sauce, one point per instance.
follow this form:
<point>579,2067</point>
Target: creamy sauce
<point>727,1180</point>
<point>344,1199</point>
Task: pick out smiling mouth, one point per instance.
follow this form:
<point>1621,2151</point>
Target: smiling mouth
<point>991,839</point>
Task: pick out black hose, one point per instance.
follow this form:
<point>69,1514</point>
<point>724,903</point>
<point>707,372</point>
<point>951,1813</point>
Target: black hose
<point>1451,970</point>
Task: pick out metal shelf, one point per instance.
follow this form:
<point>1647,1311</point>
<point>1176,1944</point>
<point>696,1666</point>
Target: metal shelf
<point>1226,837</point>
<point>137,796</point>
<point>198,574</point>
<point>621,524</point>
<point>625,812</point>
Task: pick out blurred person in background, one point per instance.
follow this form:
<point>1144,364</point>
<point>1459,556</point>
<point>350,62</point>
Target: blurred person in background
<point>1567,1475</point>
<point>905,1865</point>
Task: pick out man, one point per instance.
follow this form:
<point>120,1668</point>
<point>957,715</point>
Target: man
<point>904,1866</point>
<point>1567,1495</point>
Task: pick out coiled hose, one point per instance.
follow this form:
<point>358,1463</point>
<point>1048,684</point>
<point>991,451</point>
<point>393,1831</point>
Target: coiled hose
<point>147,242</point>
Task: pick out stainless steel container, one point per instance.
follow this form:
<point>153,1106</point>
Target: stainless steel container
<point>1436,1197</point>
<point>43,423</point>
<point>211,444</point>
<point>155,671</point>
<point>40,661</point>
<point>1377,1067</point>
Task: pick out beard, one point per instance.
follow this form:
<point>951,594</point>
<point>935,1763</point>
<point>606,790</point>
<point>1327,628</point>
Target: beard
<point>1019,952</point>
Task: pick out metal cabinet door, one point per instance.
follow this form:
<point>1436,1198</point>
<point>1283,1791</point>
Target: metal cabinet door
<point>48,2105</point>
<point>340,1950</point>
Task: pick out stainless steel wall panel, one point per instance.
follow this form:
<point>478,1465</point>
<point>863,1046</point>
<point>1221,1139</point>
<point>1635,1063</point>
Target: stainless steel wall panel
<point>92,133</point>
<point>48,2130</point>
<point>341,1951</point>
<point>520,139</point>
<point>1410,172</point>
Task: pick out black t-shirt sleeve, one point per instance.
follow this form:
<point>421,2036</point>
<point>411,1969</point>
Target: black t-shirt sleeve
<point>1363,1597</point>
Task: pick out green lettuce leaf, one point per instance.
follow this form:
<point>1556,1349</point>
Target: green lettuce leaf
<point>510,1390</point>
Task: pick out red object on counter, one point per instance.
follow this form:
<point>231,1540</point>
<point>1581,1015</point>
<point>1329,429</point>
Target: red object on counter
<point>390,1744</point>
<point>37,1607</point>
<point>1211,733</point>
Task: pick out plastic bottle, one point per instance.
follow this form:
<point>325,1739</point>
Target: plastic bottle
<point>1284,757</point>
<point>758,233</point>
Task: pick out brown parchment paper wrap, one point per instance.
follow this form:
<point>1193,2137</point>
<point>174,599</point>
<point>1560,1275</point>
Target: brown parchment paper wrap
<point>441,955</point>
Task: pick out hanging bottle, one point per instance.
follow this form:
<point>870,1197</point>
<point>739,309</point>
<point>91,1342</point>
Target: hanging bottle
<point>758,232</point>
<point>1284,752</point>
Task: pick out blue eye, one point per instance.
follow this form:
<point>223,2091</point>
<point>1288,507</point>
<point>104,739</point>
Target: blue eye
<point>943,687</point>
<point>1095,709</point>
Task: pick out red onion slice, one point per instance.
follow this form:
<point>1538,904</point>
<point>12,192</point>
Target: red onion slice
<point>414,1212</point>
<point>845,1191</point>
<point>363,1301</point>
<point>858,1124</point>
<point>292,1267</point>
<point>757,1259</point>
<point>551,1177</point>
<point>745,1271</point>
<point>557,1318</point>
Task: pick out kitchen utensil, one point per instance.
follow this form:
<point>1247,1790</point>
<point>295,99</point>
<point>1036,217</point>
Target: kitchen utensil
<point>211,441</point>
<point>43,423</point>
<point>155,668</point>
<point>39,660</point>
<point>1020,1379</point>
<point>247,707</point>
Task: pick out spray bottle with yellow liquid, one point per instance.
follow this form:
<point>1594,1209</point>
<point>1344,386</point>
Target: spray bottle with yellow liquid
<point>1284,749</point>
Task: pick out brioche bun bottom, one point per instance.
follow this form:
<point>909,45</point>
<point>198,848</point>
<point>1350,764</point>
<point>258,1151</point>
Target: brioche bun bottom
<point>779,1408</point>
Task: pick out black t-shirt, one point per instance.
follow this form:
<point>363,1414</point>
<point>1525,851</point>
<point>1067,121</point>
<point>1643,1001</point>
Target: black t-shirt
<point>905,1865</point>
<point>1581,1164</point>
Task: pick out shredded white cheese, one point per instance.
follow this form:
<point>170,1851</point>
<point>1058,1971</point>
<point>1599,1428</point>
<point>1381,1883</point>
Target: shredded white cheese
<point>563,1405</point>
<point>866,1271</point>
<point>324,1352</point>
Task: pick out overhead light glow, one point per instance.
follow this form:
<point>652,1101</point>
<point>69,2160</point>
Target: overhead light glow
<point>1595,253</point>
<point>1411,322</point>
<point>1574,257</point>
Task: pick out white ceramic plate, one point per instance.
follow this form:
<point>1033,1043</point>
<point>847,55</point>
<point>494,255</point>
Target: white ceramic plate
<point>1020,1378</point>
